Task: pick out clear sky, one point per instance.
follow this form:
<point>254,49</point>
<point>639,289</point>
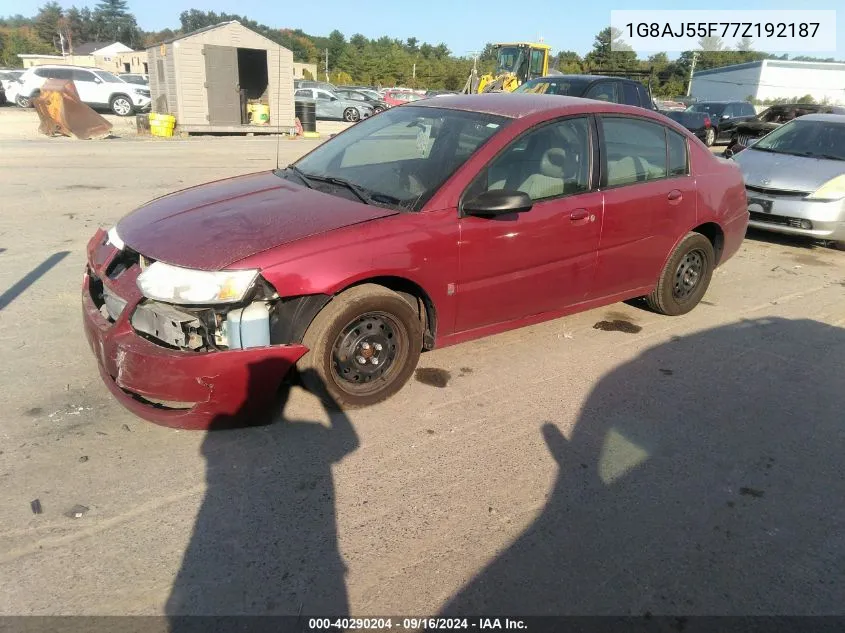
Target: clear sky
<point>464,25</point>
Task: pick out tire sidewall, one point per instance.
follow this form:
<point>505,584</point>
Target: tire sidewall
<point>115,99</point>
<point>349,117</point>
<point>711,137</point>
<point>693,241</point>
<point>327,326</point>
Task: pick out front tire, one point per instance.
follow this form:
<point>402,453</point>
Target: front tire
<point>710,137</point>
<point>685,278</point>
<point>23,102</point>
<point>351,115</point>
<point>362,347</point>
<point>121,105</point>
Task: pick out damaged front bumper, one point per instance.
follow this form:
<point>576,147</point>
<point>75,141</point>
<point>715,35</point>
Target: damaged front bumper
<point>174,387</point>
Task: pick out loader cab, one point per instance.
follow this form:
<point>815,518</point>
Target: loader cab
<point>523,59</point>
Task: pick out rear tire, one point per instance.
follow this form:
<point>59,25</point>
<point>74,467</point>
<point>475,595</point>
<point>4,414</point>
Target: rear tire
<point>121,105</point>
<point>369,323</point>
<point>710,137</point>
<point>24,102</point>
<point>685,278</point>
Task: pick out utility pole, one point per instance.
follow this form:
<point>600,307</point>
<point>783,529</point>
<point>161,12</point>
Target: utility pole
<point>327,64</point>
<point>692,70</point>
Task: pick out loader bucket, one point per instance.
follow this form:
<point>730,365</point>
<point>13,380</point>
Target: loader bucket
<point>61,112</point>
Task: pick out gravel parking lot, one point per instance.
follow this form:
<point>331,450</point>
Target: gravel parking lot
<point>648,465</point>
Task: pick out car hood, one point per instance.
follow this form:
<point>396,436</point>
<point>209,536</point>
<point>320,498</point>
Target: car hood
<point>215,225</point>
<point>783,171</point>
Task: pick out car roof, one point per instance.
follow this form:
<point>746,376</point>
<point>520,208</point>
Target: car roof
<point>718,101</point>
<point>518,105</point>
<point>821,116</point>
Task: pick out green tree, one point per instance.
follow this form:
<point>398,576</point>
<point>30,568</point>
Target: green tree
<point>610,52</point>
<point>47,23</point>
<point>114,23</point>
<point>569,62</point>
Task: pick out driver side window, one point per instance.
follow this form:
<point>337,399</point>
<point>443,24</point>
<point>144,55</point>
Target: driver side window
<point>548,162</point>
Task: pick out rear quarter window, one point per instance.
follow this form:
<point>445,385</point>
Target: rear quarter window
<point>678,157</point>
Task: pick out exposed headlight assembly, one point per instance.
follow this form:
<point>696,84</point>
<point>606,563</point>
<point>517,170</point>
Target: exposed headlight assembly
<point>186,286</point>
<point>833,189</point>
<point>114,239</point>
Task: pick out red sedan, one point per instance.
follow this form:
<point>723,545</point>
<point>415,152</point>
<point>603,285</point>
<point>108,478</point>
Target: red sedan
<point>400,97</point>
<point>428,225</point>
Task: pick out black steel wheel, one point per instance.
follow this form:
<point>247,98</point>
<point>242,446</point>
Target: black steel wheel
<point>362,347</point>
<point>685,278</point>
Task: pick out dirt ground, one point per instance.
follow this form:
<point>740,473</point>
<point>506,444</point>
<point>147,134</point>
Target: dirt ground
<point>18,123</point>
<point>688,465</point>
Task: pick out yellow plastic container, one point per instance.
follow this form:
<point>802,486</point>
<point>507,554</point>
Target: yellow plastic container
<point>162,124</point>
<point>259,113</point>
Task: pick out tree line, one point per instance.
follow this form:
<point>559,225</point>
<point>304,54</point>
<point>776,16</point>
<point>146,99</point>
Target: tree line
<point>358,59</point>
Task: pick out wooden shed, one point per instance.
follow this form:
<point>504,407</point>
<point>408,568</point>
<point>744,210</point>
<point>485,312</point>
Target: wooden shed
<point>211,80</point>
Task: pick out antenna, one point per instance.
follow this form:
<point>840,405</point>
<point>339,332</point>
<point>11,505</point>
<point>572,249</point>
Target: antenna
<point>278,102</point>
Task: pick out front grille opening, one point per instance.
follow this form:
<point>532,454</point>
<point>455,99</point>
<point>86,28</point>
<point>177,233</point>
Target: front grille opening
<point>781,220</point>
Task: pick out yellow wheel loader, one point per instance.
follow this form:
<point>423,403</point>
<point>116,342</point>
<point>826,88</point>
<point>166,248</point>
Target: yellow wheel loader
<point>516,63</point>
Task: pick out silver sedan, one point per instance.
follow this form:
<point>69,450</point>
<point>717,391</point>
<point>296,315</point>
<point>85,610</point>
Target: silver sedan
<point>795,178</point>
<point>330,106</point>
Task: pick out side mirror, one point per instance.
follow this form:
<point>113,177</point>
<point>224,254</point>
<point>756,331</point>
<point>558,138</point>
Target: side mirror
<point>498,202</point>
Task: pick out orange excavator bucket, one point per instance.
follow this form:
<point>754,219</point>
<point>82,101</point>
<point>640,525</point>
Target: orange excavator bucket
<point>61,112</point>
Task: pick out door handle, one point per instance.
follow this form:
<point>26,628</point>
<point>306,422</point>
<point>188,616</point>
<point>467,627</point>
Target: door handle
<point>579,214</point>
<point>675,196</point>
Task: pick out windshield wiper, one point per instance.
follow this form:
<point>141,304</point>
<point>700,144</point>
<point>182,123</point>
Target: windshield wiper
<point>361,193</point>
<point>301,175</point>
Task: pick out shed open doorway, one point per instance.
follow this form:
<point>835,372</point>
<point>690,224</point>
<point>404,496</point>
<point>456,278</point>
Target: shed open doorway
<point>253,78</point>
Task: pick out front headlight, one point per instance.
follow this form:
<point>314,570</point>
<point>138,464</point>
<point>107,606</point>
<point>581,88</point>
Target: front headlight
<point>833,189</point>
<point>173,284</point>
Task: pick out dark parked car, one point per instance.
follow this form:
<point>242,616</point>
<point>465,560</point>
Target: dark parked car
<point>601,88</point>
<point>724,116</point>
<point>771,119</point>
<point>698,123</point>
<point>354,95</point>
<point>430,224</point>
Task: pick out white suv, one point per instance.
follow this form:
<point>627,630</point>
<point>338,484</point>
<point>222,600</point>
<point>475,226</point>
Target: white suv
<point>97,88</point>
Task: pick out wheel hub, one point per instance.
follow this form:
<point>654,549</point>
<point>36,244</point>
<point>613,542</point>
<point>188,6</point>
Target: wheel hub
<point>688,274</point>
<point>365,349</point>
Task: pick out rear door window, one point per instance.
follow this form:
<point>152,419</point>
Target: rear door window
<point>635,150</point>
<point>82,75</point>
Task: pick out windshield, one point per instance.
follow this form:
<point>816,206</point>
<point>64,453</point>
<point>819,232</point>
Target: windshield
<point>107,76</point>
<point>820,139</point>
<point>713,109</point>
<point>570,87</point>
<point>402,156</point>
<point>509,59</point>
<point>134,79</point>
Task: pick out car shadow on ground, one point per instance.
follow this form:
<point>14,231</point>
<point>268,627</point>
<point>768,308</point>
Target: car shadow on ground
<point>265,538</point>
<point>703,477</point>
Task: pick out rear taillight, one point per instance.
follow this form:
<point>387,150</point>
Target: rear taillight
<point>707,121</point>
